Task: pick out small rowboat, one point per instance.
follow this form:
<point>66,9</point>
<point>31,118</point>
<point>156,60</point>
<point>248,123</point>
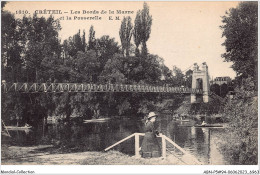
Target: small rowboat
<point>210,125</point>
<point>3,133</point>
<point>184,120</point>
<point>96,120</point>
<point>18,128</point>
<point>204,126</point>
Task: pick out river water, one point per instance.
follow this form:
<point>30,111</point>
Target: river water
<point>201,142</point>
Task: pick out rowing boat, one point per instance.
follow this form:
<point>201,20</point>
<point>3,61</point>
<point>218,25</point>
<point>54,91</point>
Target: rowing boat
<point>96,120</point>
<point>18,127</point>
<point>184,120</point>
<point>209,125</point>
<point>204,126</point>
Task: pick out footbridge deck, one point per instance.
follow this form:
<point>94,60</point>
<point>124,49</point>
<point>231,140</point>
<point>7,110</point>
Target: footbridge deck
<point>84,87</point>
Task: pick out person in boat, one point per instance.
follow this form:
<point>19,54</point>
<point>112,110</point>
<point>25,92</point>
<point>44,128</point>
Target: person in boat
<point>175,116</point>
<point>26,125</point>
<point>150,146</point>
<point>203,123</point>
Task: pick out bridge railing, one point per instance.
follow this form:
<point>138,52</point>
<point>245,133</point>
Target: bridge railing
<point>84,87</point>
<point>164,139</point>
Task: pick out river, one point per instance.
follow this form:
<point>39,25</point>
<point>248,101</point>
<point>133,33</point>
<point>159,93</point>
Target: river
<point>201,142</point>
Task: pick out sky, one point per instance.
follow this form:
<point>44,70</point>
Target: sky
<point>182,33</point>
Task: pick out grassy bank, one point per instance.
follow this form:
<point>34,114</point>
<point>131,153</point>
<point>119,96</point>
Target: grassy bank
<point>47,155</point>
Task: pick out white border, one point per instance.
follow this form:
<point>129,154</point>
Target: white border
<point>132,169</point>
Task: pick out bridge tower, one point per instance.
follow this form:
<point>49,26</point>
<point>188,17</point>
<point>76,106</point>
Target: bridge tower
<point>200,79</point>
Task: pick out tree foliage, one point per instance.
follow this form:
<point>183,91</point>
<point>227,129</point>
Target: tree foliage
<point>178,77</point>
<point>241,141</point>
<point>91,38</point>
<point>142,29</point>
<point>125,34</point>
<point>215,88</point>
<point>11,49</point>
<point>188,78</point>
<point>32,52</point>
<point>240,29</point>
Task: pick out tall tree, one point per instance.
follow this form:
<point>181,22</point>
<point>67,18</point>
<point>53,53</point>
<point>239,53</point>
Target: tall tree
<point>3,3</point>
<point>137,32</point>
<point>142,31</point>
<point>78,42</point>
<point>91,38</point>
<point>240,29</point>
<point>146,21</point>
<point>84,41</point>
<point>42,42</point>
<point>125,34</point>
<point>11,49</point>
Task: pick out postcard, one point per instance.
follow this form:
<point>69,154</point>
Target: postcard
<point>129,83</point>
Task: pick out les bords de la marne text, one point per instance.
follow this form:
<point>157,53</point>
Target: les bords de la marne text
<point>76,14</point>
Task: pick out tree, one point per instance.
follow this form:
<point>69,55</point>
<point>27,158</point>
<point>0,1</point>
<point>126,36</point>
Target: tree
<point>11,49</point>
<point>146,22</point>
<point>178,77</point>
<point>113,70</point>
<point>91,38</point>
<point>151,69</point>
<point>41,42</point>
<point>142,30</point>
<point>87,64</point>
<point>215,88</point>
<point>240,29</point>
<point>242,116</point>
<point>3,3</point>
<point>106,48</point>
<point>188,76</point>
<point>78,42</point>
<point>125,34</point>
<point>84,45</point>
<point>223,90</point>
<point>137,32</point>
<point>30,52</point>
<point>166,75</point>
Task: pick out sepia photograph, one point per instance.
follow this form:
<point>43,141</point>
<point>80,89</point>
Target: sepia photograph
<point>129,83</point>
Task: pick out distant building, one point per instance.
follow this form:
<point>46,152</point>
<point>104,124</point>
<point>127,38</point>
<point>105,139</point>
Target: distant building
<point>221,80</point>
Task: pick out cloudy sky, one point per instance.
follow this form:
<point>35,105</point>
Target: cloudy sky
<point>182,32</point>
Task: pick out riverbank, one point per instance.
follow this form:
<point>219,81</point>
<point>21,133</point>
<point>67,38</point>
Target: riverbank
<point>47,155</point>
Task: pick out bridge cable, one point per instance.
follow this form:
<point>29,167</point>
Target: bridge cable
<point>187,69</point>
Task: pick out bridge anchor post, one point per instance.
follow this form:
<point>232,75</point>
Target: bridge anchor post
<point>200,80</point>
<point>205,97</point>
<point>192,98</point>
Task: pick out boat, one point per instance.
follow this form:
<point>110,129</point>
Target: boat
<point>96,120</point>
<point>3,133</point>
<point>18,127</point>
<point>51,119</point>
<point>184,120</point>
<point>204,126</point>
<point>186,125</point>
<point>210,125</point>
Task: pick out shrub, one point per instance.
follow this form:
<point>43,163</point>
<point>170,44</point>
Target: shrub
<point>241,139</point>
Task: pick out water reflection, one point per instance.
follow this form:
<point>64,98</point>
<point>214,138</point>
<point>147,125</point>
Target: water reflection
<point>200,142</point>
